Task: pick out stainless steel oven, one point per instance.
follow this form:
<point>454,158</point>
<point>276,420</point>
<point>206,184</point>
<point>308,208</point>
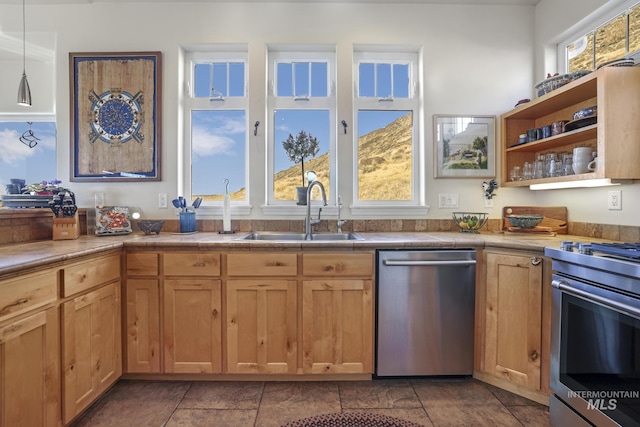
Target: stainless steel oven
<point>595,339</point>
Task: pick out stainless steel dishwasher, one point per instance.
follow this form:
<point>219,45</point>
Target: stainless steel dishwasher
<point>425,312</point>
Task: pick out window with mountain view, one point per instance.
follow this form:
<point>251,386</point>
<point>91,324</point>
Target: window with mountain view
<point>618,38</point>
<point>217,121</point>
<point>386,143</point>
<point>302,108</point>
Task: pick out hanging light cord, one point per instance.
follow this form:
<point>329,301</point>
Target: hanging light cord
<point>24,40</point>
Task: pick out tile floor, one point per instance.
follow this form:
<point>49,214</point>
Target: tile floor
<point>429,402</point>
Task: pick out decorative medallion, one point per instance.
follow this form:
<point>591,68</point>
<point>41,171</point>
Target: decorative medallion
<point>116,117</point>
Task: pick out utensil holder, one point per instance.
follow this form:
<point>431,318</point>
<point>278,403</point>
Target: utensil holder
<point>187,222</point>
<point>66,228</point>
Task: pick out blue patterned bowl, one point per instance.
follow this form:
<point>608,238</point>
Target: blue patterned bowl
<point>525,221</point>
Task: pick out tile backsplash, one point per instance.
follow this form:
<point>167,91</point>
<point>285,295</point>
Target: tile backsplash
<point>26,225</point>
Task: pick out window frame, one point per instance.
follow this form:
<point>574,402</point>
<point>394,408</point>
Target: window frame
<point>38,118</point>
<point>413,103</point>
<point>192,103</point>
<point>591,27</point>
<point>299,53</point>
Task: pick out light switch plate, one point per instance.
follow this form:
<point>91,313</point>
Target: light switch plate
<point>448,201</point>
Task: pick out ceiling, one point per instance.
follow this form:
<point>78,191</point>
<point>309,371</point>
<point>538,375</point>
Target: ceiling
<point>449,2</point>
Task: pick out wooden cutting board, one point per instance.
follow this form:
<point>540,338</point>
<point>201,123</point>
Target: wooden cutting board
<point>555,218</point>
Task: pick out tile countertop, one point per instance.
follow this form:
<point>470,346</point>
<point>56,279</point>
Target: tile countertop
<point>15,258</point>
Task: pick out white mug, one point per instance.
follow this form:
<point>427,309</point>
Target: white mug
<point>580,166</point>
<point>583,151</point>
<point>593,165</point>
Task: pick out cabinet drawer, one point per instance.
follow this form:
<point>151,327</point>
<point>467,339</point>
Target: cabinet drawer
<point>191,264</point>
<point>360,264</point>
<point>142,264</point>
<point>265,264</point>
<point>27,292</point>
<point>86,275</point>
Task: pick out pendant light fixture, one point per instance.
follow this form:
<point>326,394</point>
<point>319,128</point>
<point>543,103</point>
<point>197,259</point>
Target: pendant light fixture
<point>24,93</point>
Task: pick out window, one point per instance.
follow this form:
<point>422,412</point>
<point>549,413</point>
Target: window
<point>27,152</point>
<point>615,39</point>
<point>387,161</point>
<point>216,123</point>
<point>301,111</point>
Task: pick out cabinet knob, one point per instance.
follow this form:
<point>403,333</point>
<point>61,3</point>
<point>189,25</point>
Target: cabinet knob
<point>535,260</point>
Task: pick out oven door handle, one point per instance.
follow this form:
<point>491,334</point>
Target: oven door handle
<point>565,286</point>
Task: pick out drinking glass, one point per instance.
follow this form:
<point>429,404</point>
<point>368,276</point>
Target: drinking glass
<point>538,169</point>
<point>527,171</point>
<point>515,174</point>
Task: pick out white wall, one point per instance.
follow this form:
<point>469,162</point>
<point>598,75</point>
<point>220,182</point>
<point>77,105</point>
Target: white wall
<point>478,60</point>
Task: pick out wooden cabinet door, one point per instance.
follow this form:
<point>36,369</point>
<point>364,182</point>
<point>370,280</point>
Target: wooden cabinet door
<point>513,318</point>
<point>192,326</point>
<point>143,325</point>
<point>337,326</point>
<point>261,319</point>
<point>30,371</point>
<point>92,347</point>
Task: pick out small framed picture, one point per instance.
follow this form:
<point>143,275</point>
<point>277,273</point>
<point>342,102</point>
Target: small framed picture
<point>465,146</point>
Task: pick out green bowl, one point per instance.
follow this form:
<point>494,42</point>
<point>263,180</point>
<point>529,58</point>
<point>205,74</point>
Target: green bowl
<point>525,221</point>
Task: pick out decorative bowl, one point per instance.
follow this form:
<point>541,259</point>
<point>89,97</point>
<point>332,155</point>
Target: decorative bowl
<point>552,83</point>
<point>151,225</point>
<point>585,112</point>
<point>525,221</point>
<point>470,222</point>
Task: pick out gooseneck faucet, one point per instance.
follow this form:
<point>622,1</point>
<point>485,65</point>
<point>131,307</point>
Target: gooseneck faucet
<point>308,221</point>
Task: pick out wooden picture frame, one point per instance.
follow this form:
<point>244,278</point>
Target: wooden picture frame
<point>465,146</point>
<point>116,102</point>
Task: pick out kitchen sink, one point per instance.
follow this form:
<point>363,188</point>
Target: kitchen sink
<point>285,235</point>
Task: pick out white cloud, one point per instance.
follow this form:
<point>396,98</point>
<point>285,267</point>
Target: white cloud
<point>11,149</point>
<point>205,142</point>
<point>215,136</point>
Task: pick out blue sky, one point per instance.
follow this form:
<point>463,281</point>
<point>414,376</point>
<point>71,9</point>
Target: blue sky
<point>219,137</point>
<point>19,161</point>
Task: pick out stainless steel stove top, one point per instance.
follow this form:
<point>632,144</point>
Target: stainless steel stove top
<point>615,266</point>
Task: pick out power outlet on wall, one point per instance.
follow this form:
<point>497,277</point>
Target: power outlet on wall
<point>162,200</point>
<point>614,200</point>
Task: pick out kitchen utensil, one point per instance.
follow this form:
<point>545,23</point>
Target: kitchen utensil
<point>197,202</point>
<point>176,203</point>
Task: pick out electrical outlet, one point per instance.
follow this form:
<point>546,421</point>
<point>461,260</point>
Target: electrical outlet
<point>614,201</point>
<point>162,200</point>
<point>488,203</point>
<point>448,201</point>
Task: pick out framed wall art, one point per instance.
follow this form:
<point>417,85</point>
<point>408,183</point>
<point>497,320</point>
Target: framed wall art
<point>465,146</point>
<point>115,116</point>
